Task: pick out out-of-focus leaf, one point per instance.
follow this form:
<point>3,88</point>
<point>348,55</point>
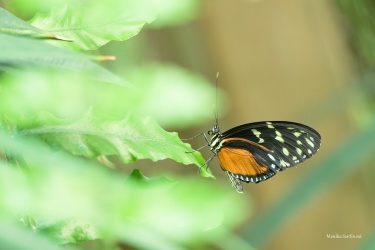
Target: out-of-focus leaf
<point>63,187</point>
<point>130,139</point>
<point>27,9</point>
<point>13,25</point>
<point>71,230</point>
<point>358,17</point>
<point>175,97</point>
<point>137,176</point>
<point>28,94</point>
<point>171,12</point>
<point>95,23</point>
<point>19,51</point>
<point>15,237</point>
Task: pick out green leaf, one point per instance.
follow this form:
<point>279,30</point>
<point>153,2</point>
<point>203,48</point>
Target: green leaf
<point>28,8</point>
<point>95,23</point>
<point>12,25</point>
<point>14,48</point>
<point>11,234</point>
<point>69,230</point>
<point>131,139</point>
<point>52,106</point>
<point>28,94</point>
<point>175,97</point>
<point>139,178</point>
<point>172,13</point>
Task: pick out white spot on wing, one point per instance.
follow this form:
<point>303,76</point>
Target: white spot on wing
<point>285,151</point>
<point>271,157</point>
<point>279,136</point>
<point>299,151</point>
<point>297,134</point>
<point>309,142</point>
<point>269,125</point>
<point>284,163</point>
<point>257,134</point>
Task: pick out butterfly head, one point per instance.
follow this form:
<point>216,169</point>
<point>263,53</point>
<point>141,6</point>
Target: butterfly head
<point>215,139</point>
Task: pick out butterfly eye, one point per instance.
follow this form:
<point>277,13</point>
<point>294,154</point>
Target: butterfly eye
<point>215,129</point>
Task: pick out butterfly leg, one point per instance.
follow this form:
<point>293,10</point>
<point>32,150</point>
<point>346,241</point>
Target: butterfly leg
<point>195,150</point>
<point>206,163</point>
<point>188,139</point>
<point>205,137</point>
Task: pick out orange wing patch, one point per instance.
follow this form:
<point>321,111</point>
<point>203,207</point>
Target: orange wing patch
<point>240,161</point>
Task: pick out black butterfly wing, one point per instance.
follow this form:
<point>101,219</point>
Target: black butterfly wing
<point>277,144</point>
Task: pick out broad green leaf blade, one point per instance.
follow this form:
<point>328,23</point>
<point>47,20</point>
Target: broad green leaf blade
<point>40,54</point>
<point>131,139</point>
<point>95,23</point>
<point>12,25</point>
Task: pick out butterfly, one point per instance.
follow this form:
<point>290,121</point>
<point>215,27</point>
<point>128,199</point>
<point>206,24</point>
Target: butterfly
<point>254,152</point>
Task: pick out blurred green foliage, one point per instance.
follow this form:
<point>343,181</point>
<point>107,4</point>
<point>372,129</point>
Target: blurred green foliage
<point>57,103</point>
<point>65,194</point>
<point>358,17</point>
<point>173,96</point>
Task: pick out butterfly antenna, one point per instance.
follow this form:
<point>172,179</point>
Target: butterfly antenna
<point>216,102</point>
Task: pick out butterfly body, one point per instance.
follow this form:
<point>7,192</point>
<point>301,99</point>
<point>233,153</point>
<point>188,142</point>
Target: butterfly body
<point>255,152</point>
